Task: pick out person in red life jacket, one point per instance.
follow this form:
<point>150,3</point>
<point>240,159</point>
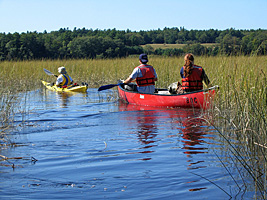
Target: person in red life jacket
<point>145,76</point>
<point>63,80</point>
<point>192,76</point>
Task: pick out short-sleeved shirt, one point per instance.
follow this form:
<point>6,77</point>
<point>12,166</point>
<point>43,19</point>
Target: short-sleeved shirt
<point>60,80</point>
<point>150,89</point>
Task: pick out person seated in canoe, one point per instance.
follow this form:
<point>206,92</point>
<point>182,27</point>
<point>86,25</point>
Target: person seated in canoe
<point>63,80</point>
<point>145,76</point>
<point>192,76</point>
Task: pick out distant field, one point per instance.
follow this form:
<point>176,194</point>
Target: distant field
<point>177,46</point>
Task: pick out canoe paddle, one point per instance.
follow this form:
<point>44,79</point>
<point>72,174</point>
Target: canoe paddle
<point>49,73</point>
<point>106,87</point>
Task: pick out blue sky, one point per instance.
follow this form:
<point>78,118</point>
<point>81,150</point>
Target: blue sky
<point>50,15</point>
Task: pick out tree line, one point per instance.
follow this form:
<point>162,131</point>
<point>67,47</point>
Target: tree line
<point>112,43</point>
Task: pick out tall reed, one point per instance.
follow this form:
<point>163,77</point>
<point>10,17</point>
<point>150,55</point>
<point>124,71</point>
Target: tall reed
<point>241,111</point>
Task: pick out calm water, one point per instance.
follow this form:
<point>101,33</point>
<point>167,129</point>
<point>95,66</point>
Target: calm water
<point>91,146</point>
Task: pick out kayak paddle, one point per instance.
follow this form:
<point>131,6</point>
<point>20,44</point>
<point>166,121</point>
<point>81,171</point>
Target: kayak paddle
<point>49,73</point>
<point>106,87</point>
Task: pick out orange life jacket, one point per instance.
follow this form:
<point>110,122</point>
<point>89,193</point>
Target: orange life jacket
<point>194,80</point>
<point>148,76</point>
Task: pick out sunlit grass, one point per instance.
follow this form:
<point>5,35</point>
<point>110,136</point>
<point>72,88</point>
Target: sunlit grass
<point>241,114</point>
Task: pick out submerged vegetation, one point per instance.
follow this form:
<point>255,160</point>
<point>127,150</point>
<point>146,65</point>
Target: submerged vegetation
<point>239,115</point>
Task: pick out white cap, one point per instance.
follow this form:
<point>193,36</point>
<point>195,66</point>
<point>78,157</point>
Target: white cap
<point>62,70</point>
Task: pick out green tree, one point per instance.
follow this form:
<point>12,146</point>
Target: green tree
<point>32,46</point>
<point>133,39</point>
<point>13,47</point>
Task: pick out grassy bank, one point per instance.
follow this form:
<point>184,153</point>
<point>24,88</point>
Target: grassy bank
<point>239,115</point>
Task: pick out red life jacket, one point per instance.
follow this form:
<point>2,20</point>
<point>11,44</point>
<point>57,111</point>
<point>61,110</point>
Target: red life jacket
<point>148,76</point>
<point>194,80</point>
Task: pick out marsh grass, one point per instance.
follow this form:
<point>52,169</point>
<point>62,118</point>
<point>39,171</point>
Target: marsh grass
<point>239,113</point>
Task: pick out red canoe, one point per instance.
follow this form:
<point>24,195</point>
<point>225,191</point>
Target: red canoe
<point>198,99</point>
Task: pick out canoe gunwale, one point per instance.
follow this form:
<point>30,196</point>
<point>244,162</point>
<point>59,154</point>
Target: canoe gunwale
<point>216,87</point>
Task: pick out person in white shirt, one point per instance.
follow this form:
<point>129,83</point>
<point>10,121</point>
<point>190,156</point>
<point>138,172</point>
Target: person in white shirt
<point>63,79</point>
<point>145,76</point>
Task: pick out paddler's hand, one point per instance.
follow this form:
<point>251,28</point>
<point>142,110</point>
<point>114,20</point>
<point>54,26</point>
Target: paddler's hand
<point>128,80</point>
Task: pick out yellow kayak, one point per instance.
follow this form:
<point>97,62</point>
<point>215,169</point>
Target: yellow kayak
<point>71,88</point>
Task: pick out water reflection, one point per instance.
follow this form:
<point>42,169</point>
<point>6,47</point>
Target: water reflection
<point>192,134</point>
<point>146,120</point>
<point>147,131</point>
<point>193,131</point>
<point>63,98</point>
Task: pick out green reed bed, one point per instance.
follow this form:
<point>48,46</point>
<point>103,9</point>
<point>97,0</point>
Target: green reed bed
<point>6,113</point>
<point>239,113</point>
<point>26,75</point>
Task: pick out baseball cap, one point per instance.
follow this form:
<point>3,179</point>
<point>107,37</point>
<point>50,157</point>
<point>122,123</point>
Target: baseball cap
<point>143,58</point>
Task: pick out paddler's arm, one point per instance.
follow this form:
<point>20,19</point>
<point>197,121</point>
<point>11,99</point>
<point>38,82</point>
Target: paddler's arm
<point>71,81</point>
<point>206,79</point>
<point>59,80</point>
<point>128,80</point>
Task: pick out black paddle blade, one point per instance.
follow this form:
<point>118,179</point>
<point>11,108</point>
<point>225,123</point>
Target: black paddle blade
<point>106,87</point>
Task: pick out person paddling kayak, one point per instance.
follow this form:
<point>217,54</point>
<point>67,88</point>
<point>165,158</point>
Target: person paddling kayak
<point>145,76</point>
<point>63,79</point>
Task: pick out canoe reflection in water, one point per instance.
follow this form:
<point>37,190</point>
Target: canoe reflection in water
<point>147,130</point>
<point>146,122</point>
<point>193,133</point>
<point>193,130</point>
<point>190,122</point>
